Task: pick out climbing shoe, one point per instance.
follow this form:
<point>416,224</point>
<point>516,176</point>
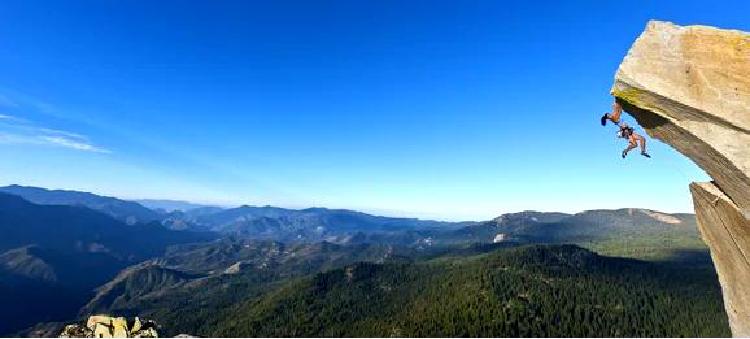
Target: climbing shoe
<point>604,119</point>
<point>645,154</point>
<point>624,154</point>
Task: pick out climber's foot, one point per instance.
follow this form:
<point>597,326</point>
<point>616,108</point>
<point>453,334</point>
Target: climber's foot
<point>604,119</point>
<point>645,154</point>
<point>624,154</point>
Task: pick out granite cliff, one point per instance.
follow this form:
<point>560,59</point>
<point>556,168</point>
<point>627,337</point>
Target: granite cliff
<point>690,88</point>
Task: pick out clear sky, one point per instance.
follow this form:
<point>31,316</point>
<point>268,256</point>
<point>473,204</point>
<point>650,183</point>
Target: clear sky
<point>448,110</point>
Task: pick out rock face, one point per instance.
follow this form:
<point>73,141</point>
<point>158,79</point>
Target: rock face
<point>690,87</point>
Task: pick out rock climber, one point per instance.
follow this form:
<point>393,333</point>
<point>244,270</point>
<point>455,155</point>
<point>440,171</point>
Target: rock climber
<point>625,132</point>
<point>634,140</point>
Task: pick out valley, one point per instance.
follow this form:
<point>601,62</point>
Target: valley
<point>268,271</point>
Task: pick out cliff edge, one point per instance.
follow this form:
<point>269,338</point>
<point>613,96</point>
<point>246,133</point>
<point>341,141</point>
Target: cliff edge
<point>690,88</point>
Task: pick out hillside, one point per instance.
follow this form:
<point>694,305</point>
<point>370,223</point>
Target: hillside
<point>374,290</point>
<point>162,292</point>
<point>53,256</point>
<point>133,283</point>
<point>628,232</point>
<point>530,291</point>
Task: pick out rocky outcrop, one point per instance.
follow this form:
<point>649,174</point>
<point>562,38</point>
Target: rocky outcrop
<point>690,87</point>
<point>102,326</point>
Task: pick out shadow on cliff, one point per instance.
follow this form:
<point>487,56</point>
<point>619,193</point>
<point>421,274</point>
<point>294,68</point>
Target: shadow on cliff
<point>645,118</point>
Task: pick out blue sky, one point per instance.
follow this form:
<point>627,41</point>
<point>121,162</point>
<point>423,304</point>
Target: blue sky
<point>448,110</point>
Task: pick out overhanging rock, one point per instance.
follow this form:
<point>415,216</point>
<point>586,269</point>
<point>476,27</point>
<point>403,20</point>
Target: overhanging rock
<point>690,87</point>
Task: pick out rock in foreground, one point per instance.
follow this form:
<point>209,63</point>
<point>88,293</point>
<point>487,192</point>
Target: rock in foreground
<point>100,326</point>
<point>690,87</point>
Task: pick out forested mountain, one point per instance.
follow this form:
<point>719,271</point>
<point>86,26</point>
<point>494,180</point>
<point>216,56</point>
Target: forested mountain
<point>588,225</point>
<point>368,290</point>
<point>42,284</point>
<point>536,291</point>
<point>52,256</point>
<point>186,288</point>
<point>127,211</point>
<point>630,232</point>
<point>258,270</point>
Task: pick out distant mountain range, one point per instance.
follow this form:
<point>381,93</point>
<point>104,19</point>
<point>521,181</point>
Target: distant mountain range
<point>266,222</point>
<point>170,205</point>
<point>347,226</point>
<point>127,211</point>
<point>80,229</point>
<point>311,224</point>
<point>71,252</point>
<point>540,227</point>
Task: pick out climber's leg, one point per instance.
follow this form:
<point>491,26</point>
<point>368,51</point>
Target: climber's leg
<point>631,145</point>
<point>642,140</point>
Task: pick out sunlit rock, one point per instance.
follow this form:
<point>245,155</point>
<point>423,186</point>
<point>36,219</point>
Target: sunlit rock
<point>102,326</point>
<point>690,87</point>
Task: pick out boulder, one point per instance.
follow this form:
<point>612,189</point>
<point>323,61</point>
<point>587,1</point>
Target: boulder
<point>104,326</point>
<point>690,88</point>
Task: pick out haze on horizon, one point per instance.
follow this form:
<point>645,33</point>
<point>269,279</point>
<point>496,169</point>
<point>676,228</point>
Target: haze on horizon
<point>441,110</point>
